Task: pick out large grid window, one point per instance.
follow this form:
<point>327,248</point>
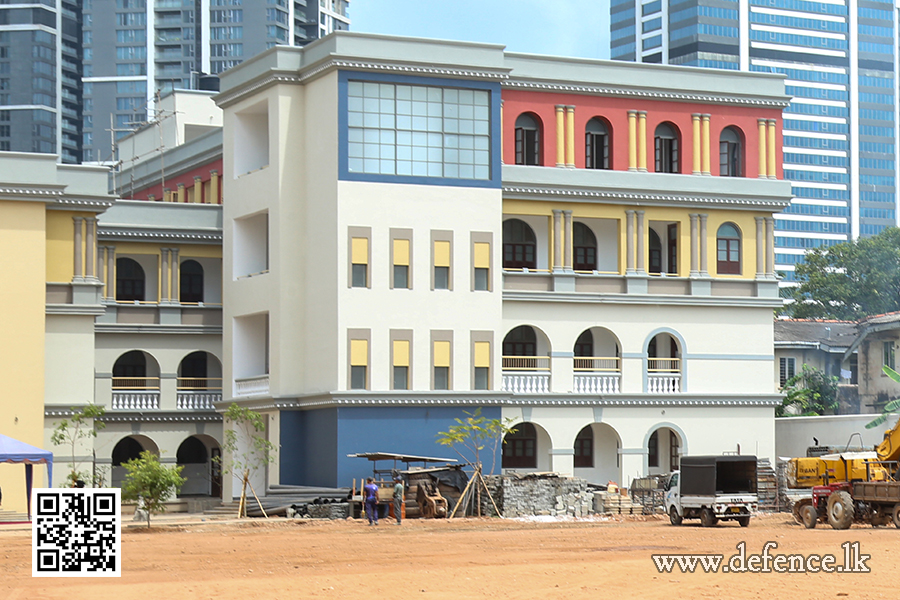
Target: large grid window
<point>418,131</point>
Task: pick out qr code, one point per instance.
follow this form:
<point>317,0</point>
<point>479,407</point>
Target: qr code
<point>76,533</point>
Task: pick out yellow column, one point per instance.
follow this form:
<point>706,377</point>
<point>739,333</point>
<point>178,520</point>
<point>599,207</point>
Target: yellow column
<point>560,135</point>
<point>167,195</point>
<point>695,122</point>
<point>642,140</point>
<point>771,151</point>
<point>762,148</point>
<point>213,187</point>
<point>704,146</point>
<point>181,194</point>
<point>198,190</point>
<point>632,140</point>
<point>570,137</point>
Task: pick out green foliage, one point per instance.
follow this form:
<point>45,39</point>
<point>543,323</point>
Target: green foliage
<point>82,425</point>
<point>245,441</point>
<point>891,407</point>
<point>810,392</point>
<point>471,435</point>
<point>849,280</point>
<point>151,483</point>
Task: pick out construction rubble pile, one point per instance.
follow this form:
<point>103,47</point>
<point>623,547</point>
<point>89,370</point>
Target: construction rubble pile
<point>538,494</point>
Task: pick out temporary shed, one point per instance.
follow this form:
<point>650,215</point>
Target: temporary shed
<point>14,451</point>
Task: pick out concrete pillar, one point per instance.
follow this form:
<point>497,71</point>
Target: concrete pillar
<point>771,151</point>
<point>176,276</point>
<point>704,147</point>
<point>629,241</point>
<point>167,194</point>
<point>704,247</point>
<point>770,247</point>
<point>760,248</point>
<point>79,262</point>
<point>641,264</point>
<point>562,461</point>
<point>633,461</point>
<point>560,135</point>
<point>642,141</point>
<point>695,124</point>
<point>90,245</point>
<point>101,276</point>
<point>763,161</point>
<point>632,140</point>
<point>570,137</point>
<point>111,272</point>
<point>557,240</point>
<point>569,246</point>
<point>198,190</point>
<point>695,244</point>
<point>180,197</point>
<point>214,187</point>
<point>164,287</point>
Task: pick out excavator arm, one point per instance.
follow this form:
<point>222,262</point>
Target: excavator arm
<point>889,449</point>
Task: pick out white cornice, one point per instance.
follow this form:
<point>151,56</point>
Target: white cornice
<point>642,93</point>
<point>670,300</point>
<point>567,194</point>
<point>144,235</point>
<point>31,193</point>
<point>93,310</point>
<point>157,328</point>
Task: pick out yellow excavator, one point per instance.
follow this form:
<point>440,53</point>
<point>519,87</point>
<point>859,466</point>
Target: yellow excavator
<point>824,472</point>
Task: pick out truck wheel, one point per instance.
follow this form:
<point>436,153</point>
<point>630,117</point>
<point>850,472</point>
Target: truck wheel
<point>673,516</point>
<point>707,518</point>
<point>840,510</point>
<point>809,516</point>
<point>744,521</point>
<point>896,516</point>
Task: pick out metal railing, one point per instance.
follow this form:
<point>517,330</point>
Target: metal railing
<point>200,383</point>
<point>526,363</point>
<point>610,364</point>
<point>664,365</point>
<point>135,383</point>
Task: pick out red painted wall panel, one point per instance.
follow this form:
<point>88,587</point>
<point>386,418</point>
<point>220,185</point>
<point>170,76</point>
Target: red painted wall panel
<point>187,178</point>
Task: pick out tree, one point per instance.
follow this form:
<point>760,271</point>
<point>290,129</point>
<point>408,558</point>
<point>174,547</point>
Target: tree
<point>470,436</point>
<point>850,280</point>
<point>810,392</point>
<point>247,447</point>
<point>892,407</point>
<point>150,483</point>
<point>83,425</point>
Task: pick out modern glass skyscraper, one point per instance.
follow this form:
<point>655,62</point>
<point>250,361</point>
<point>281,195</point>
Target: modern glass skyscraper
<point>840,131</point>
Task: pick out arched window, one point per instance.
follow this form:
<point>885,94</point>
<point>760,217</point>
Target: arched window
<point>131,364</point>
<point>129,280</point>
<point>191,451</point>
<point>191,289</point>
<point>584,345</point>
<point>666,144</point>
<point>521,341</point>
<point>653,449</point>
<point>730,153</point>
<point>584,448</point>
<point>192,372</point>
<point>585,246</point>
<point>519,245</point>
<point>728,250</point>
<point>596,144</point>
<point>520,449</point>
<point>127,449</point>
<point>528,140</point>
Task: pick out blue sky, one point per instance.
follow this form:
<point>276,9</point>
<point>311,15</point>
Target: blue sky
<point>561,27</point>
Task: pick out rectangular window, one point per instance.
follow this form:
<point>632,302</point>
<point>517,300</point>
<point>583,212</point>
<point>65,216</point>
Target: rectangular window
<point>419,131</point>
<point>359,260</point>
<point>400,359</point>
<point>481,263</point>
<point>888,353</point>
<point>359,363</point>
<point>441,257</point>
<point>786,370</point>
<point>482,364</point>
<point>441,357</point>
<point>400,258</point>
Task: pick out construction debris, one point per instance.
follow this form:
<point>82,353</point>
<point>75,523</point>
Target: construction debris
<point>614,503</point>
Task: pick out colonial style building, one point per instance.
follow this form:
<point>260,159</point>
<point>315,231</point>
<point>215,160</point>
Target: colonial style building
<point>416,228</point>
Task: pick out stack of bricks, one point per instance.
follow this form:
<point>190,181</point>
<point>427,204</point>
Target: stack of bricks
<point>614,503</point>
<point>544,494</point>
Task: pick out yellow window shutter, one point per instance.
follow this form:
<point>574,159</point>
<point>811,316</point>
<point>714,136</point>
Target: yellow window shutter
<point>359,251</point>
<point>442,253</point>
<point>442,353</point>
<point>401,353</point>
<point>359,353</point>
<point>482,354</point>
<point>401,252</point>
<point>482,257</point>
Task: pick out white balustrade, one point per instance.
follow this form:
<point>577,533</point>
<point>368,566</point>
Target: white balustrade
<point>597,383</point>
<point>664,384</point>
<point>135,400</point>
<point>248,386</point>
<point>526,383</point>
<point>197,400</point>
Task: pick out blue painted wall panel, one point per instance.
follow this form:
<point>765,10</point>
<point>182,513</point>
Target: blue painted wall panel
<point>309,447</point>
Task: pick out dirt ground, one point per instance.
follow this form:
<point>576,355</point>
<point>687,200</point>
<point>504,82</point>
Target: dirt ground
<point>459,559</point>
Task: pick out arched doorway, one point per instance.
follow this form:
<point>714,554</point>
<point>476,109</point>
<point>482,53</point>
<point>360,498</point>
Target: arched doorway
<point>663,451</point>
<point>527,448</point>
<point>128,448</point>
<point>198,455</point>
<point>664,368</point>
<point>597,456</point>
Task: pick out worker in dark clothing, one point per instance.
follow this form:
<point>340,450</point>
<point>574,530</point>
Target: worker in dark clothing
<point>371,495</point>
<point>398,497</point>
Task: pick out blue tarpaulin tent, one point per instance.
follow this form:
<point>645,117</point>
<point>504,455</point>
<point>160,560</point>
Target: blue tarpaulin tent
<point>14,451</point>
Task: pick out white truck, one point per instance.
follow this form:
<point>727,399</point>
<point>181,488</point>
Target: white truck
<point>713,489</point>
